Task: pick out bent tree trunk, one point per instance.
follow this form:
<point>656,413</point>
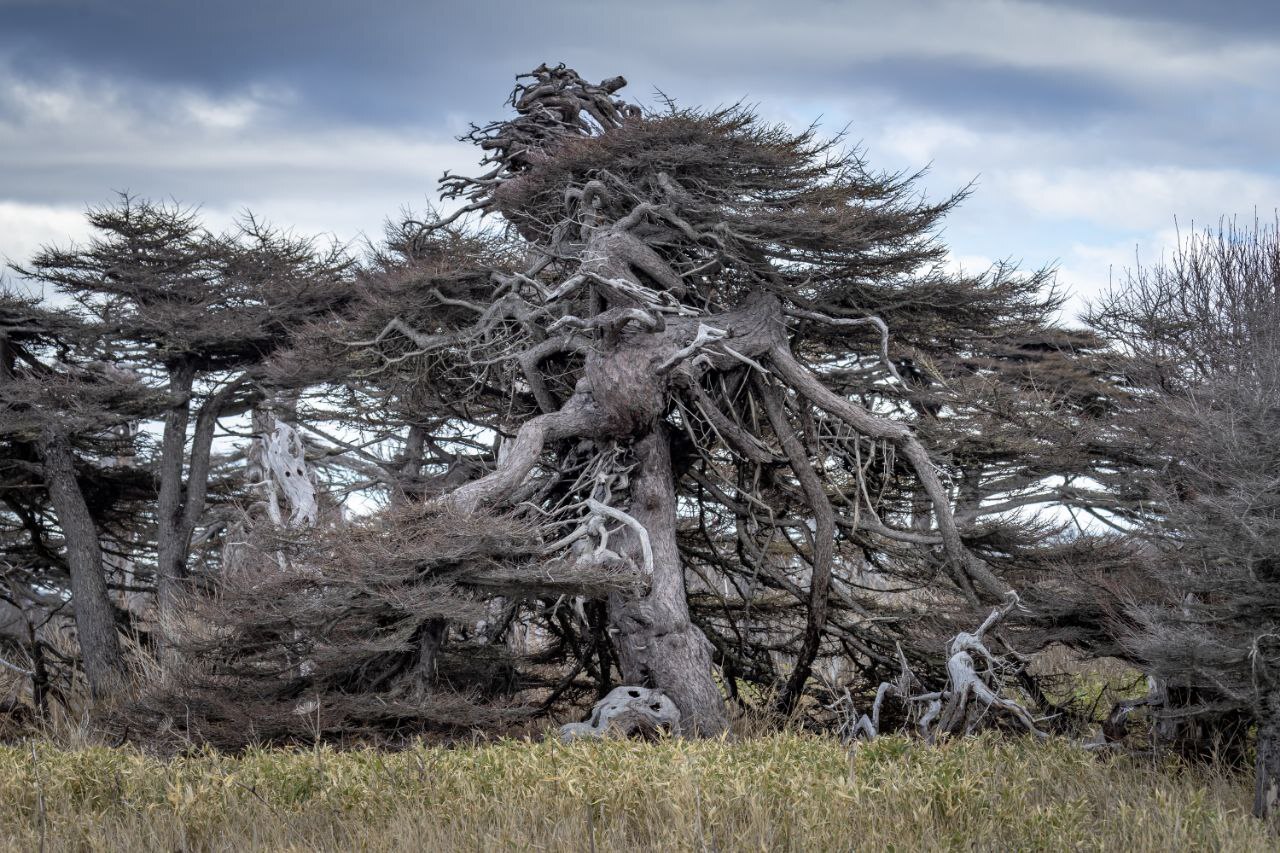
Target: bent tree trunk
<point>675,275</point>
<point>1266,793</point>
<point>94,614</point>
<point>658,645</point>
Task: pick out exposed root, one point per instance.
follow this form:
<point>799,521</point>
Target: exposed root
<point>962,706</point>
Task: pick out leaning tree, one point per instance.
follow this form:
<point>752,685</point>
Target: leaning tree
<point>61,413</point>
<point>696,361</point>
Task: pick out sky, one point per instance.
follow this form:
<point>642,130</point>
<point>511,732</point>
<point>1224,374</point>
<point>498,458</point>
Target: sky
<point>1095,132</point>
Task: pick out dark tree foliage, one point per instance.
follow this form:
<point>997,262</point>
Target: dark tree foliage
<point>193,314</point>
<point>54,406</point>
<point>1201,340</point>
<point>280,653</point>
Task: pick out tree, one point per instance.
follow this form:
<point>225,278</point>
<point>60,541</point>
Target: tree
<point>709,349</point>
<point>1200,336</point>
<point>686,400</point>
<point>53,405</point>
<point>159,320</point>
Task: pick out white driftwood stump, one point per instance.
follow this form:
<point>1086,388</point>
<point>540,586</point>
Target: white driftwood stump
<point>627,711</point>
<point>968,695</point>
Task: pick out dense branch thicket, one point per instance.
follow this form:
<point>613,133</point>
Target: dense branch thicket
<point>1202,359</point>
<point>726,356</point>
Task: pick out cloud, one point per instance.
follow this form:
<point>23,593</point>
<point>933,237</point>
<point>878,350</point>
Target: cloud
<point>386,61</point>
<point>995,33</point>
<point>1254,17</point>
<point>25,228</point>
<point>74,141</point>
<point>1143,198</point>
<point>221,114</point>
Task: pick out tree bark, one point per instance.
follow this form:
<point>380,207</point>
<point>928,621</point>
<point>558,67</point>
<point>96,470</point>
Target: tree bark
<point>171,561</point>
<point>658,645</point>
<point>91,602</point>
<point>432,633</point>
<point>1266,791</point>
<point>182,499</point>
<point>965,567</point>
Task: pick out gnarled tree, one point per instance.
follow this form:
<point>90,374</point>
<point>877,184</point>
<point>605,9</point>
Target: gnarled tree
<point>708,348</point>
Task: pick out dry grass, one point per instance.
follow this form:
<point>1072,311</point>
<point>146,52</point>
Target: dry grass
<point>784,791</point>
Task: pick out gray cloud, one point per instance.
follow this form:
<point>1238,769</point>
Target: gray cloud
<point>401,62</point>
<point>1226,17</point>
<point>332,115</point>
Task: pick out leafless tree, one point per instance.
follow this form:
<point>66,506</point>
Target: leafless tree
<point>1201,343</point>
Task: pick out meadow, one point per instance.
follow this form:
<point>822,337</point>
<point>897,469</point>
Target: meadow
<point>785,791</point>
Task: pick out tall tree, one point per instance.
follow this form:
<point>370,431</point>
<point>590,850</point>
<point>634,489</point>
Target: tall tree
<point>191,315</point>
<point>58,411</point>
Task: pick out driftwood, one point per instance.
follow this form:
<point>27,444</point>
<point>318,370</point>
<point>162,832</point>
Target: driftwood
<point>625,712</point>
<point>962,706</point>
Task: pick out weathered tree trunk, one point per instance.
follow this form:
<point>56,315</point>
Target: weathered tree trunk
<point>171,557</point>
<point>658,645</point>
<point>129,598</point>
<point>6,358</point>
<point>181,501</point>
<point>39,674</point>
<point>429,638</point>
<point>432,633</point>
<point>94,614</point>
<point>1266,792</point>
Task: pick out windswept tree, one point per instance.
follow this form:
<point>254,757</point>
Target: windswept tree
<point>157,326</point>
<point>60,414</point>
<point>679,400</point>
<point>1200,339</point>
<point>707,351</point>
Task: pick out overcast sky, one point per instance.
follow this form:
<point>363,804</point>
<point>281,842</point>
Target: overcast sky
<point>1089,125</point>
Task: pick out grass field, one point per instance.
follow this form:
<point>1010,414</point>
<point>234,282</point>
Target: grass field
<point>784,791</point>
